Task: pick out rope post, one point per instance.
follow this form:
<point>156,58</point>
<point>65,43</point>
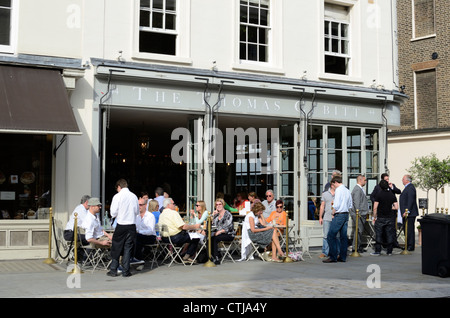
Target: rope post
<point>49,259</point>
<point>405,251</point>
<point>76,269</point>
<point>209,263</point>
<point>355,252</point>
<point>287,259</point>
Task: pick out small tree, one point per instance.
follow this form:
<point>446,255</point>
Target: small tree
<point>430,173</point>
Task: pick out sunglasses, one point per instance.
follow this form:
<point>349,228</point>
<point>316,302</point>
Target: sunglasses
<point>279,206</point>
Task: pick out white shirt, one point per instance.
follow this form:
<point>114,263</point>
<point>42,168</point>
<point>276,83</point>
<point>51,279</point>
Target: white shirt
<point>92,226</point>
<point>125,207</point>
<point>342,199</point>
<point>270,207</point>
<point>82,212</point>
<point>146,225</point>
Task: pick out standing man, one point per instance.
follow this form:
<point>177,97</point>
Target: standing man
<point>341,207</point>
<point>269,203</point>
<point>384,218</point>
<point>325,218</point>
<point>408,200</point>
<point>125,208</point>
<point>360,203</point>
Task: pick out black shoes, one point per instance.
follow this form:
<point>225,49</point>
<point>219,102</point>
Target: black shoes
<point>328,260</point>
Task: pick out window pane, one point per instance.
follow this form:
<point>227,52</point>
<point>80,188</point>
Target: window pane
<point>144,19</point>
<point>253,15</point>
<point>145,3</point>
<point>170,22</point>
<point>334,138</point>
<point>424,17</point>
<point>372,139</point>
<point>157,21</point>
<point>334,160</point>
<point>264,20</point>
<point>5,25</point>
<point>354,138</point>
<point>252,34</point>
<point>158,4</point>
<point>171,5</point>
<point>158,43</point>
<point>334,29</point>
<point>315,137</point>
<point>262,54</point>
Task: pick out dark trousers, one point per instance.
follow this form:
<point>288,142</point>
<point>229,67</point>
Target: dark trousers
<point>215,242</point>
<point>142,240</point>
<point>123,242</point>
<point>181,238</point>
<point>384,233</point>
<point>68,236</point>
<point>411,235</point>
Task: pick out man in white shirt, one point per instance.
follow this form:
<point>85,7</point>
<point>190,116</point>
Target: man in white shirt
<point>145,226</point>
<point>341,206</point>
<point>269,203</point>
<point>125,208</point>
<point>81,210</point>
<point>93,229</point>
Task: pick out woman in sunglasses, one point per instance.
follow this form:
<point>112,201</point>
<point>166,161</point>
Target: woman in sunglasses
<point>224,229</point>
<point>278,217</point>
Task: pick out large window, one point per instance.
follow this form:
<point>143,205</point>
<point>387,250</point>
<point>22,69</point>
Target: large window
<point>350,150</point>
<point>423,18</point>
<point>25,176</point>
<point>158,26</point>
<point>337,39</point>
<point>254,30</point>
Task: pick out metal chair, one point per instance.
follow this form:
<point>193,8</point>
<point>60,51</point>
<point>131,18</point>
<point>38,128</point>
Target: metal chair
<point>172,252</point>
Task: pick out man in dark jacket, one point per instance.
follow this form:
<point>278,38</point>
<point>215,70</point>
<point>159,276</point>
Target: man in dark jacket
<point>408,201</point>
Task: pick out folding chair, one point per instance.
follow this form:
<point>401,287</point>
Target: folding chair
<point>171,250</point>
<point>97,257</point>
<point>151,253</point>
<point>227,248</point>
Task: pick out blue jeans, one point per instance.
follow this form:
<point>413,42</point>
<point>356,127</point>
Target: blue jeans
<point>339,225</point>
<point>325,246</point>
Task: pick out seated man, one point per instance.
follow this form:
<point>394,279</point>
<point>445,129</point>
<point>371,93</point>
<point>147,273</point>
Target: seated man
<point>145,227</point>
<point>177,229</point>
<point>94,232</point>
<point>81,210</point>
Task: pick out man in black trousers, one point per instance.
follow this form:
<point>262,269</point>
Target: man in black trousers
<point>125,208</point>
<point>408,201</point>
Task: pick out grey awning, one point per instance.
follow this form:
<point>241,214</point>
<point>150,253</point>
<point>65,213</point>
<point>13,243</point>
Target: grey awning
<point>34,101</point>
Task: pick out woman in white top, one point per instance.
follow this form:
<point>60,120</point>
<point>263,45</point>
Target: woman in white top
<point>256,229</point>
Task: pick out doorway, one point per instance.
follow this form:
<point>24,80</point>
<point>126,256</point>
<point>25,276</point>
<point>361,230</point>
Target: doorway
<point>138,149</point>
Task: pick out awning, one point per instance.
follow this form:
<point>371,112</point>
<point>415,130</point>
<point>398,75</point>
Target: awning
<point>34,101</point>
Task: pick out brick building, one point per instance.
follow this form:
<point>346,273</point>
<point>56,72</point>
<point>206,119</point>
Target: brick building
<point>424,73</point>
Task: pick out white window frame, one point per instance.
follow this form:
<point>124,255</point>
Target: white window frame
<point>354,38</point>
<point>413,19</point>
<point>11,48</point>
<point>182,50</point>
<point>274,46</point>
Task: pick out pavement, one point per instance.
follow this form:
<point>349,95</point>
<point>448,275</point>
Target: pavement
<point>395,276</point>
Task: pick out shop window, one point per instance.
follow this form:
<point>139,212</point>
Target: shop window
<point>158,26</point>
<point>353,152</point>
<point>423,18</point>
<point>25,176</point>
<point>254,30</point>
<point>337,39</point>
<point>426,99</point>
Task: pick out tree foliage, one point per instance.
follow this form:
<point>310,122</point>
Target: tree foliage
<point>430,173</point>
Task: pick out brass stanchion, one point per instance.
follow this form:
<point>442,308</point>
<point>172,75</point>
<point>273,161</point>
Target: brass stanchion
<point>355,252</point>
<point>405,251</point>
<point>209,263</point>
<point>287,259</point>
<point>49,259</point>
<point>76,269</point>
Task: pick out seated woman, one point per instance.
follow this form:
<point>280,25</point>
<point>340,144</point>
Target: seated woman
<point>256,229</point>
<point>278,217</point>
<point>223,221</point>
<point>253,198</point>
